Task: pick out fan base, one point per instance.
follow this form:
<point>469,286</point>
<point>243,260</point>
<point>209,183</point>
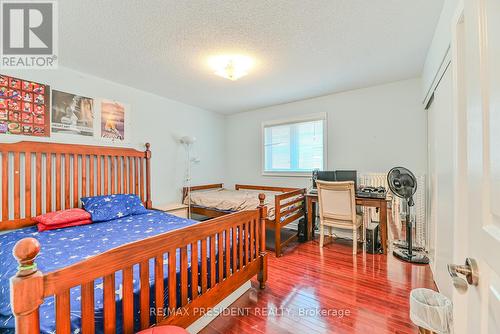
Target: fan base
<point>402,254</point>
<point>404,244</point>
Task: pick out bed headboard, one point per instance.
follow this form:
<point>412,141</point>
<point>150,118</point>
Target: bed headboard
<point>40,177</point>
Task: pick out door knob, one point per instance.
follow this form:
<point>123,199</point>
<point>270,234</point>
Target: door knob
<point>469,270</point>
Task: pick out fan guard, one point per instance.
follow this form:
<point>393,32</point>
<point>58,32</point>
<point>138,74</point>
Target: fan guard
<point>403,184</point>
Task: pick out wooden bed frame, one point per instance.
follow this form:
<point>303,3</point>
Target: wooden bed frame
<point>72,171</point>
<point>281,208</point>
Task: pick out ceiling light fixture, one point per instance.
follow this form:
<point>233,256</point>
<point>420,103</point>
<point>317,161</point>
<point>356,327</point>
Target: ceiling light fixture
<point>231,67</point>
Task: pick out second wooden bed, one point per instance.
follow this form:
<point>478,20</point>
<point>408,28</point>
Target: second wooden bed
<point>289,205</point>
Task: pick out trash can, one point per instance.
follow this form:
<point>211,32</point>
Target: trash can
<point>431,311</point>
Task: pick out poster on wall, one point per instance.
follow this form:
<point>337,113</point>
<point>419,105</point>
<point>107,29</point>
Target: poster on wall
<point>72,114</point>
<point>113,115</point>
<point>24,107</point>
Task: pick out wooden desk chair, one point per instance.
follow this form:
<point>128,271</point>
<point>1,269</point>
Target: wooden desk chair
<point>337,208</point>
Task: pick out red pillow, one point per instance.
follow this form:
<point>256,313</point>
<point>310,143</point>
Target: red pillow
<point>63,217</point>
<point>43,227</point>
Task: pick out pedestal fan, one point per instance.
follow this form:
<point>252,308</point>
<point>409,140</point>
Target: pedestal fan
<point>403,184</point>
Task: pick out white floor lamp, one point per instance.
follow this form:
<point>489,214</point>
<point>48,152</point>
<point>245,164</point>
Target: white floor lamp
<point>188,142</point>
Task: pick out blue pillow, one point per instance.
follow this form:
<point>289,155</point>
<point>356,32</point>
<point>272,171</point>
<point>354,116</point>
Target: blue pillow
<point>109,207</point>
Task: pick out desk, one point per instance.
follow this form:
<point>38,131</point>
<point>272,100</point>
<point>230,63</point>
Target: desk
<point>381,203</point>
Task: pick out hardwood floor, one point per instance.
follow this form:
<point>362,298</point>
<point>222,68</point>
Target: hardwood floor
<point>358,294</point>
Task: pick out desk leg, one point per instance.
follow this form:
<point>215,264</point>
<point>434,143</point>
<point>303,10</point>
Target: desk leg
<point>309,219</point>
<point>313,220</point>
<point>383,225</point>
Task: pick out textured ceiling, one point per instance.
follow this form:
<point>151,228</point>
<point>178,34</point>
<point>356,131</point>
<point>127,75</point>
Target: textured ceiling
<point>302,48</point>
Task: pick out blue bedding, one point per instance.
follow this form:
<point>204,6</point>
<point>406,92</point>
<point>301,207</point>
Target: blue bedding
<point>66,246</point>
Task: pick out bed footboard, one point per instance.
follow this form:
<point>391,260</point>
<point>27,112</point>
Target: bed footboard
<point>289,207</point>
<point>232,251</point>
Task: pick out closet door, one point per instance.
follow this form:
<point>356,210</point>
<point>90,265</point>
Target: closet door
<point>441,186</point>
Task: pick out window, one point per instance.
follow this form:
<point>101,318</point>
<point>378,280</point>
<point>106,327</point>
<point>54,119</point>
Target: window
<point>294,147</point>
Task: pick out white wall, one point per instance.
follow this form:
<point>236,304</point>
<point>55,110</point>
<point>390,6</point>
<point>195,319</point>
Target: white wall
<point>439,47</point>
<point>370,130</point>
<point>153,119</point>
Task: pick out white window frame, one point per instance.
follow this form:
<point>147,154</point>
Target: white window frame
<point>291,120</point>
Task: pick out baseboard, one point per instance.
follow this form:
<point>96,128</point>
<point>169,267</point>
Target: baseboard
<point>433,270</point>
<point>202,322</point>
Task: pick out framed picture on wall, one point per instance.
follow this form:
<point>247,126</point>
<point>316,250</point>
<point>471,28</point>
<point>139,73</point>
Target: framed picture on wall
<point>72,114</point>
<point>113,121</point>
<point>24,107</point>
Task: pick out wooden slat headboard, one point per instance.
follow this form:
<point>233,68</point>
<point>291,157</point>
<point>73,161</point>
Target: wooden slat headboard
<point>42,177</point>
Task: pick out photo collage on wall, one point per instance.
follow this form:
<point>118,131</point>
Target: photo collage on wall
<point>24,107</point>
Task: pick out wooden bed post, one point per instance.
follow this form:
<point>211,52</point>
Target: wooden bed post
<point>26,288</point>
<point>149,203</point>
<point>277,226</point>
<point>262,275</point>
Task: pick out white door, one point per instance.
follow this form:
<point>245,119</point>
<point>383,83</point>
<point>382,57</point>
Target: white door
<point>478,88</point>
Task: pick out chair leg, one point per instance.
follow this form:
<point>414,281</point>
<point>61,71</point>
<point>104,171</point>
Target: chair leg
<point>321,235</point>
<point>355,241</point>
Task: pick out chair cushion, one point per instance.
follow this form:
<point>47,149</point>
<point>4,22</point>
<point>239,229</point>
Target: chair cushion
<point>344,224</point>
<point>164,330</point>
